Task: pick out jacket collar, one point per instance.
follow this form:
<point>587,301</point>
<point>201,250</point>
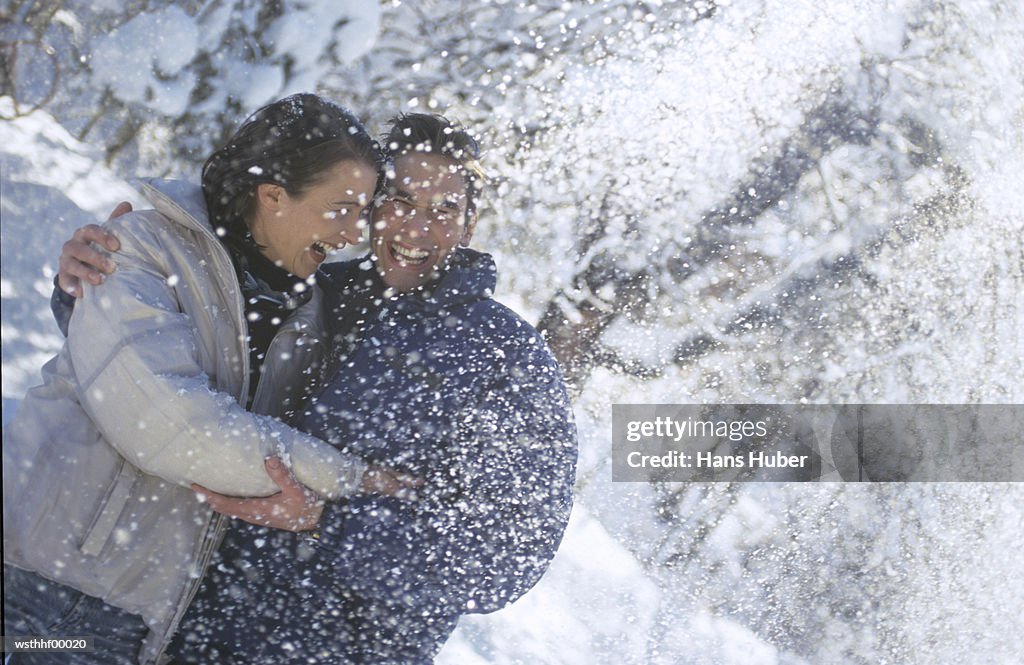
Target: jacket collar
<point>470,276</point>
<point>179,200</point>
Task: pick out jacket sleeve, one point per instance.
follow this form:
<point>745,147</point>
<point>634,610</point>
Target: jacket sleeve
<point>498,525</point>
<point>489,521</point>
<point>62,304</point>
<point>136,359</point>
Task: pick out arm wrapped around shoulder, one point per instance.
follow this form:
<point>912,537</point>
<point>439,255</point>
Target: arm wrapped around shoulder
<point>146,376</point>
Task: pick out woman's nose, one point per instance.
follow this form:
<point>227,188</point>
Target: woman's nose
<point>353,236</point>
<point>352,232</point>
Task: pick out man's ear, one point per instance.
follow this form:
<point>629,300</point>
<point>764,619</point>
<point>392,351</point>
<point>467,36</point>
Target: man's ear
<point>467,232</point>
<point>270,195</point>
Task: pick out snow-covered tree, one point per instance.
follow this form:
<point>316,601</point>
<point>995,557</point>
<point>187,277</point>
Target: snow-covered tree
<point>196,68</point>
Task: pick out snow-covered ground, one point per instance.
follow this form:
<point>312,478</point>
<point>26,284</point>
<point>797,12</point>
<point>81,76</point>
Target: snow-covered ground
<point>51,184</point>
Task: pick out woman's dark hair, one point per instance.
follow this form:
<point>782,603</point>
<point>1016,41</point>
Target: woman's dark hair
<point>426,132</point>
<point>292,142</point>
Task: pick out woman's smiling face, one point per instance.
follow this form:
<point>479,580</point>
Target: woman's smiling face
<point>421,220</point>
<point>297,232</point>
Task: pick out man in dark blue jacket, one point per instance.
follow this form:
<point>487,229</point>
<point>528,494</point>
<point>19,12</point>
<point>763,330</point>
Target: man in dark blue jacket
<point>431,376</point>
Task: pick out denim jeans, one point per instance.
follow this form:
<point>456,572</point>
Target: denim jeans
<point>35,606</point>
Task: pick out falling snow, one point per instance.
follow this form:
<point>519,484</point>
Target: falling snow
<point>758,201</point>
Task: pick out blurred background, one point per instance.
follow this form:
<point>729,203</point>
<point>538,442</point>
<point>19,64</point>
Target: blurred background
<point>697,201</point>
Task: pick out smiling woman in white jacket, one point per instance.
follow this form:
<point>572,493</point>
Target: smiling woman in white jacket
<point>172,374</point>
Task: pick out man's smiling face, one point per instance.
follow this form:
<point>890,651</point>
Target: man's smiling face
<point>420,221</point>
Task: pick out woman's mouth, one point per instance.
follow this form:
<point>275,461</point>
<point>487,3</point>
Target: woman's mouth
<point>319,250</point>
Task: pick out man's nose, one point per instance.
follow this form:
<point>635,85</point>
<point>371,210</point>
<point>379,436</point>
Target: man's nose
<point>415,223</point>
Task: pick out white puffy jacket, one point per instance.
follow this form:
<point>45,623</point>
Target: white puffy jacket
<point>142,401</point>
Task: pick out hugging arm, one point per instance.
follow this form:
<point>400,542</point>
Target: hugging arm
<point>296,507</point>
<point>290,508</point>
<point>80,261</point>
<point>135,356</point>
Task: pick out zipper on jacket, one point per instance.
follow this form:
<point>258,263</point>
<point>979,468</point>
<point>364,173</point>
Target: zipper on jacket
<point>220,255</point>
<point>217,525</point>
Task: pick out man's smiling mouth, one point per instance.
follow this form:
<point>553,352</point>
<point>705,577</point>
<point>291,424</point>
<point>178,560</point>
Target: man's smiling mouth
<point>408,255</point>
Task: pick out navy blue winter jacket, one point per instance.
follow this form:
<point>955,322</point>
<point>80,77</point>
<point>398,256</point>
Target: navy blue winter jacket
<point>453,387</point>
<point>457,389</point>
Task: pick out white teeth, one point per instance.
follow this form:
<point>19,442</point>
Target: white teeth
<point>411,254</point>
<point>326,248</point>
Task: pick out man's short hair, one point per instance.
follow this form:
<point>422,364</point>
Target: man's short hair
<point>436,134</point>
